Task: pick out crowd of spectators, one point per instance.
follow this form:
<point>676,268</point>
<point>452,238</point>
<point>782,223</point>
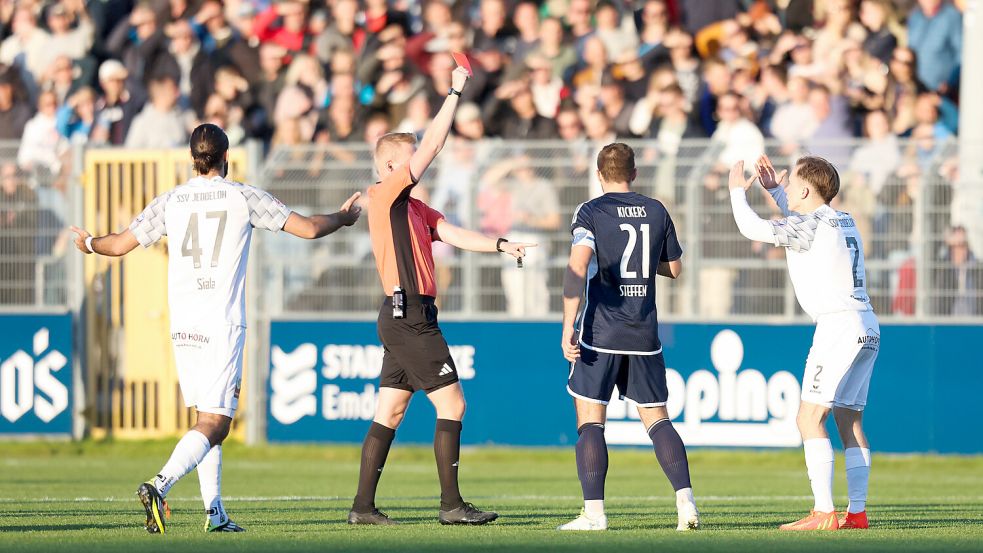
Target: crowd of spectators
<point>804,74</point>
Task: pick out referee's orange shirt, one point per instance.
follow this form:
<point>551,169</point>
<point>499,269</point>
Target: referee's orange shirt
<point>402,230</point>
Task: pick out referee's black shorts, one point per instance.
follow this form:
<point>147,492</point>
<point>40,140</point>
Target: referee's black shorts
<point>416,354</point>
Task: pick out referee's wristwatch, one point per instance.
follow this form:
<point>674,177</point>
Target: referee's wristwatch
<point>498,245</point>
<point>455,92</point>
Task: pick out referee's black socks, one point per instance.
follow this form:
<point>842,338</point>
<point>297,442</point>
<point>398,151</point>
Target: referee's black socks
<point>447,451</point>
<point>671,453</point>
<point>592,460</point>
<point>375,449</point>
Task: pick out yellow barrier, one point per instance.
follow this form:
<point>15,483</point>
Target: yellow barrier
<point>131,383</point>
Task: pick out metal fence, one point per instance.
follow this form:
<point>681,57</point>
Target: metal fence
<point>38,201</point>
<point>899,192</point>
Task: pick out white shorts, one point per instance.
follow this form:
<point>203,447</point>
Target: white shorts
<point>209,366</point>
<point>841,359</point>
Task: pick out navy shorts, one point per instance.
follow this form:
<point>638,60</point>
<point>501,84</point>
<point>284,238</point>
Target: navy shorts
<point>639,378</point>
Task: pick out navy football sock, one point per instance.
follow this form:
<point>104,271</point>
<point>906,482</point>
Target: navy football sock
<point>592,460</point>
<point>671,453</point>
<point>375,449</point>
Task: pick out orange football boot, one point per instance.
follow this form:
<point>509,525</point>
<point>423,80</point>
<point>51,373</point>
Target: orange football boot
<point>815,521</point>
<point>854,521</point>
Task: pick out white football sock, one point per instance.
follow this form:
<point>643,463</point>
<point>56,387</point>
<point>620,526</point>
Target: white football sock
<point>684,496</point>
<point>857,477</point>
<point>188,452</point>
<point>819,462</point>
<point>594,507</point>
<point>210,480</point>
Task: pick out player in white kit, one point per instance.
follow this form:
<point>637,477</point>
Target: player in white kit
<point>209,222</point>
<point>826,264</point>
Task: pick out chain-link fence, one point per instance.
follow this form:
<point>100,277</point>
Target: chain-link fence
<point>37,203</point>
<point>899,192</point>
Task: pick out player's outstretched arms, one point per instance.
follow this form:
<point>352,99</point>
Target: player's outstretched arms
<point>113,244</point>
<point>477,242</point>
<point>670,269</point>
<point>748,222</point>
<point>573,290</point>
<point>317,226</point>
<point>436,134</point>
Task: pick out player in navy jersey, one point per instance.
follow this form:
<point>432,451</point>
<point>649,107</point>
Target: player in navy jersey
<point>621,242</point>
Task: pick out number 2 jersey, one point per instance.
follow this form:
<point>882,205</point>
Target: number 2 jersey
<point>208,222</point>
<point>630,235</point>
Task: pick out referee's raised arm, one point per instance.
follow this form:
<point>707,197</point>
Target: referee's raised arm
<point>436,134</point>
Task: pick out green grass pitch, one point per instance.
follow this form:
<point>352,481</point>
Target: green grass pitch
<point>80,497</point>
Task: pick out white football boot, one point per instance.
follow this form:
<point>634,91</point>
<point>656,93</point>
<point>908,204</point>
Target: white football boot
<point>586,522</point>
<point>689,517</point>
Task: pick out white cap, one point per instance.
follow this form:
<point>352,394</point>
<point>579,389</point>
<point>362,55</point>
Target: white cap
<point>112,69</point>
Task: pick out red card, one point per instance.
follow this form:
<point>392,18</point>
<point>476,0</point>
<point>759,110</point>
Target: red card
<point>462,61</point>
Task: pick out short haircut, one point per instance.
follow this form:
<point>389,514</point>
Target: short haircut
<point>208,146</point>
<point>391,140</point>
<point>820,174</point>
<point>616,162</point>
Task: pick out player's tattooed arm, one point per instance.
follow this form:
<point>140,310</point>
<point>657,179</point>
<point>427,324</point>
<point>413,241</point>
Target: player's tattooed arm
<point>316,226</point>
<point>573,290</point>
<point>113,244</point>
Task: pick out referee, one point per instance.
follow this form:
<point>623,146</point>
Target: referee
<point>416,357</point>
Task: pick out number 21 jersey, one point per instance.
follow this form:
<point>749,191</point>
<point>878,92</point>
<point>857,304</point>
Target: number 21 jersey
<point>630,235</point>
<point>209,226</point>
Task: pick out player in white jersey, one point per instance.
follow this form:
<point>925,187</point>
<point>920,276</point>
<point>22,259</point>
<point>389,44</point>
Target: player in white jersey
<point>826,264</point>
<point>209,222</point>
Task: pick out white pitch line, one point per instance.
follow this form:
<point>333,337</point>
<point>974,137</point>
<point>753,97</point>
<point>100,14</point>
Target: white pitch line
<point>298,498</point>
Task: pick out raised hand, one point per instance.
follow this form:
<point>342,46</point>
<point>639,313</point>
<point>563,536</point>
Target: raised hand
<point>766,172</point>
<point>459,77</point>
<point>80,236</point>
<point>349,211</point>
<point>737,180</point>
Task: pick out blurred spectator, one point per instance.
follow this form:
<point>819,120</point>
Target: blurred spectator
<point>831,136</point>
<point>138,42</point>
<point>935,33</point>
<point>902,90</point>
<point>162,123</point>
<point>417,116</point>
<point>61,78</point>
<point>684,63</point>
<point>959,279</point>
<point>669,124</point>
<point>552,47</point>
<point>635,80</point>
<point>716,78</point>
<point>217,113</point>
<point>877,158</point>
<point>186,63</point>
<point>25,46</point>
<point>118,106</point>
<point>18,229</point>
<point>525,18</point>
<point>436,20</point>
<point>619,37</point>
<point>579,23</point>
<point>511,114</point>
<point>491,31</point>
<point>224,43</point>
<point>652,21</point>
<point>534,213</point>
<point>546,88</point>
<point>14,108</point>
<point>795,119</point>
<point>878,17</point>
<point>615,106</point>
<point>65,40</point>
<point>594,61</point>
<point>739,137</point>
<point>41,145</point>
<point>77,116</point>
<point>284,23</point>
<point>697,14</point>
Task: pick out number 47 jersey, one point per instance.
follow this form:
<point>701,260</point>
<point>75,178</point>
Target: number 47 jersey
<point>630,235</point>
<point>209,225</point>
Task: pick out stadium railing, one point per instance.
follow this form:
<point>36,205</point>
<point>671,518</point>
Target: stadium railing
<point>900,193</point>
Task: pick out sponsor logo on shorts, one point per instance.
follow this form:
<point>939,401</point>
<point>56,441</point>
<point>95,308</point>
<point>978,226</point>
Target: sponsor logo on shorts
<point>872,341</point>
<point>445,370</point>
<point>181,338</point>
